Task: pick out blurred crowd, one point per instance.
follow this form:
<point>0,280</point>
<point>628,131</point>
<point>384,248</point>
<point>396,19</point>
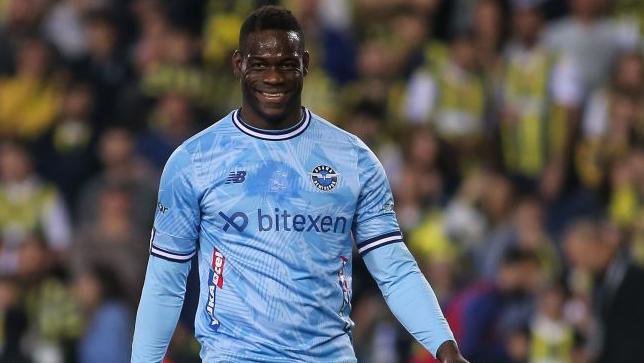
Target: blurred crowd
<point>512,133</point>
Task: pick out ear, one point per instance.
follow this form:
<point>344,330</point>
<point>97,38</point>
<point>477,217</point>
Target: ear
<point>305,62</point>
<point>237,61</point>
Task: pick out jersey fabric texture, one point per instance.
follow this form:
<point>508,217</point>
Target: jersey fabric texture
<point>273,217</point>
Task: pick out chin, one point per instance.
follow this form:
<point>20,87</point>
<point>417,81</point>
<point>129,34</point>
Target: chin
<point>272,114</point>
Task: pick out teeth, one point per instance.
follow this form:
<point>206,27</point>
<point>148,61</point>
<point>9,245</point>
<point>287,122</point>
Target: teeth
<point>273,95</point>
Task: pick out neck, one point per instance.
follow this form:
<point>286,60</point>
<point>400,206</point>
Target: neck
<point>254,119</point>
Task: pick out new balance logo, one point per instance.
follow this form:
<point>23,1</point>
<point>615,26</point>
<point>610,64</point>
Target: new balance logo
<point>236,177</point>
<point>162,208</point>
<point>230,221</point>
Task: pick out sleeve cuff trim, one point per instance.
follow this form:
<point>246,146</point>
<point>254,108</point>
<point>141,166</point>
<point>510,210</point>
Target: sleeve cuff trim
<point>382,240</point>
<point>171,256</point>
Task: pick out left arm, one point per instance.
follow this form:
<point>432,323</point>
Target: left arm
<point>411,299</point>
<point>379,241</point>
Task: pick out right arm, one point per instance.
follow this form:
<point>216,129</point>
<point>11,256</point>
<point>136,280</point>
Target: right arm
<point>172,246</point>
<point>159,309</point>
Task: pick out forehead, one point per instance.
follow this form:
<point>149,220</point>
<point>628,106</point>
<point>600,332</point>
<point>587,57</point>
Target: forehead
<point>272,43</point>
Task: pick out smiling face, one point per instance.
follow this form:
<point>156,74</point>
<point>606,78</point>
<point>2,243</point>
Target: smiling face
<point>271,65</point>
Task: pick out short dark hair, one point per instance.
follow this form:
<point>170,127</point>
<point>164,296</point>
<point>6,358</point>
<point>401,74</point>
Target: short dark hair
<point>270,17</point>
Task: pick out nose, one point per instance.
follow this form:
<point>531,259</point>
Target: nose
<point>272,75</point>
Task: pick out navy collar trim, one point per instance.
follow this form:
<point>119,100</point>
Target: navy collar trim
<point>273,135</point>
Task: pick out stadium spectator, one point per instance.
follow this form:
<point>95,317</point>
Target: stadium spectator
<point>617,293</point>
<point>28,205</point>
<point>421,184</point>
<point>538,97</point>
<point>625,203</point>
<point>465,217</point>
<point>120,166</point>
<point>54,318</point>
<point>367,120</point>
<point>104,65</point>
<point>552,338</point>
<point>173,121</point>
<point>114,241</point>
<point>612,124</point>
<point>108,332</point>
<point>489,28</point>
<point>451,97</point>
<point>483,313</point>
<point>518,345</point>
<point>627,76</point>
<point>527,233</point>
<point>590,39</point>
<point>496,201</point>
<point>180,71</point>
<point>630,16</point>
<point>65,154</point>
<point>375,70</point>
<point>30,99</point>
<point>21,20</point>
<point>63,27</point>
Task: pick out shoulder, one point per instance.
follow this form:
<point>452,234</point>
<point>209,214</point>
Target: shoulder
<point>207,139</point>
<point>208,136</point>
<point>328,130</point>
<point>325,130</point>
<point>344,141</point>
<point>187,157</point>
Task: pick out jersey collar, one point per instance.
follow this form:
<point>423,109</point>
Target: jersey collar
<point>273,135</point>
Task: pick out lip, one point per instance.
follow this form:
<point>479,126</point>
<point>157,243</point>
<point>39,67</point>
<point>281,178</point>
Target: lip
<point>272,96</point>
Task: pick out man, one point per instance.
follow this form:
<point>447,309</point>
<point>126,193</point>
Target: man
<point>486,312</point>
<point>599,252</point>
<point>274,195</point>
<point>450,95</point>
<point>539,95</point>
<point>591,40</point>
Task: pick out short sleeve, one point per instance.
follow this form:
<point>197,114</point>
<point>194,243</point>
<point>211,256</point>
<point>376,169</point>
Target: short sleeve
<point>177,218</point>
<point>375,223</point>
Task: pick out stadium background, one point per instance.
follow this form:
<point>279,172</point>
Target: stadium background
<point>493,151</point>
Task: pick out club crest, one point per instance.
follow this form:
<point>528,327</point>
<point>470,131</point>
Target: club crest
<point>324,177</point>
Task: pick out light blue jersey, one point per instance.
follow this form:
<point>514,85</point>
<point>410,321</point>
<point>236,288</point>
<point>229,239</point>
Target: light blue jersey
<point>273,217</point>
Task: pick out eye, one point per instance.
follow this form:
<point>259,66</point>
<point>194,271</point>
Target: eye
<point>257,66</point>
<point>288,66</point>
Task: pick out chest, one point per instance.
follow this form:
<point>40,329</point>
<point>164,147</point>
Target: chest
<point>302,176</point>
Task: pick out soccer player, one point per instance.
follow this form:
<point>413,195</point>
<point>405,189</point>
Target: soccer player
<point>271,198</point>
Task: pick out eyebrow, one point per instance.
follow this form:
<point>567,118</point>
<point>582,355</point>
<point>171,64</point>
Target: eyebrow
<point>266,57</point>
